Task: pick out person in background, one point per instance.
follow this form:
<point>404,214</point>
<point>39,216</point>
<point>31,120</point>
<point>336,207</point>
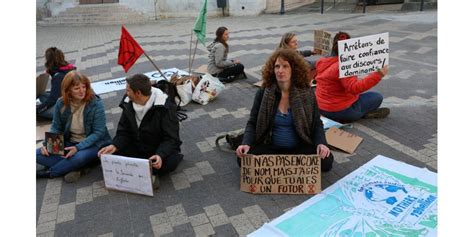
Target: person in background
<point>148,127</point>
<point>57,67</point>
<point>284,118</point>
<point>79,115</point>
<point>343,99</point>
<point>289,41</point>
<point>218,65</point>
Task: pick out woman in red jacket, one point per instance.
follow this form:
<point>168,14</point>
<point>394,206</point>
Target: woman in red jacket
<point>342,99</point>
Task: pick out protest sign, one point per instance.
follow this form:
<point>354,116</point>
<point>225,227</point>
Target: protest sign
<point>362,55</point>
<point>117,84</point>
<point>281,174</point>
<point>343,140</point>
<point>384,197</point>
<point>322,42</point>
<point>127,174</point>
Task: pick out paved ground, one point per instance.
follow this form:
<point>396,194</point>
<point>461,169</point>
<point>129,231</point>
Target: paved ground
<point>202,196</point>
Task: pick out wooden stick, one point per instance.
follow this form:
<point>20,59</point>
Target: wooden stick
<point>190,48</point>
<point>163,75</point>
<point>192,61</point>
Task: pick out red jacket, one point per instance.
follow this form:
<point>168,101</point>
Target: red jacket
<point>335,94</point>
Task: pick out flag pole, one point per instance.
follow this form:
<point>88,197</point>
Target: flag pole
<point>190,47</point>
<point>163,75</point>
<point>195,47</point>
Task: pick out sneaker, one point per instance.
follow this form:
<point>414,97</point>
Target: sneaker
<point>72,176</point>
<point>378,113</point>
<point>155,182</point>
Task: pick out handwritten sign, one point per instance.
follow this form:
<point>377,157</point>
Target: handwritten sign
<point>127,174</point>
<point>322,42</point>
<point>281,174</point>
<point>343,140</point>
<point>363,55</point>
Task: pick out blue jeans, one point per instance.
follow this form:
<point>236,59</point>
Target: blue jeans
<point>59,166</point>
<point>366,103</point>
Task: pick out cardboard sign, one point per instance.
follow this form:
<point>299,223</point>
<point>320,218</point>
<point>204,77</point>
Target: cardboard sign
<point>127,174</point>
<point>258,83</point>
<point>281,174</point>
<point>322,42</point>
<point>362,55</point>
<point>343,140</point>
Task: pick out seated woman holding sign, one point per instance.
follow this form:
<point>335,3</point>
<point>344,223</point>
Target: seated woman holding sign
<point>289,41</point>
<point>285,117</point>
<point>342,99</point>
<point>79,115</point>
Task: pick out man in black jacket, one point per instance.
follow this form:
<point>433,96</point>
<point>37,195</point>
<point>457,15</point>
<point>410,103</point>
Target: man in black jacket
<point>148,127</point>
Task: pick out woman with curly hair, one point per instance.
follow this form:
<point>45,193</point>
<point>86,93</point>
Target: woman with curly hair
<point>285,118</point>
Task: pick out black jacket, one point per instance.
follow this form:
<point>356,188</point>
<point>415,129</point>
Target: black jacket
<point>158,132</point>
<point>318,136</point>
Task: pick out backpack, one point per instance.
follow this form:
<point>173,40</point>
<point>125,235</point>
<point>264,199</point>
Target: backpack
<point>233,139</point>
<point>172,92</point>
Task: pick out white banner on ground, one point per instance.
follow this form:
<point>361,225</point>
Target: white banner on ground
<point>384,197</point>
<point>362,55</point>
<point>117,84</point>
<point>127,174</point>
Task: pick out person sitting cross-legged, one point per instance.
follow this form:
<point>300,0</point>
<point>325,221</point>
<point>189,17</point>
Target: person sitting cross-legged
<point>347,99</point>
<point>284,118</point>
<point>79,115</point>
<point>148,127</point>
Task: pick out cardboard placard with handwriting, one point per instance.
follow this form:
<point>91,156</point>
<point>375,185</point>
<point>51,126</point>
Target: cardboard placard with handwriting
<point>127,174</point>
<point>343,140</point>
<point>322,42</point>
<point>363,55</point>
<point>281,174</point>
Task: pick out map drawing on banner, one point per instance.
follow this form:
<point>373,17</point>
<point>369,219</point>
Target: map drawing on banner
<point>117,84</point>
<point>127,174</point>
<point>384,197</point>
<point>282,174</point>
<point>359,56</point>
<point>322,42</point>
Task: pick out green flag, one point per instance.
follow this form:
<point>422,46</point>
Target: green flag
<point>200,24</point>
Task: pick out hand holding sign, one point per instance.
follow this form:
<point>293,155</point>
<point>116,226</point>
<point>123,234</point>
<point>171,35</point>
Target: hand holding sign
<point>359,56</point>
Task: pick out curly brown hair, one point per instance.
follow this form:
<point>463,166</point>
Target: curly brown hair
<point>299,68</point>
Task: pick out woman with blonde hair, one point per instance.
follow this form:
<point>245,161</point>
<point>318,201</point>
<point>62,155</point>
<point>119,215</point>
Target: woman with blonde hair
<point>79,115</point>
<point>285,118</point>
<point>289,41</point>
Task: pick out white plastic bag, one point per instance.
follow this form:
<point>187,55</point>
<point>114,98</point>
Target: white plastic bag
<point>185,91</point>
<point>207,89</point>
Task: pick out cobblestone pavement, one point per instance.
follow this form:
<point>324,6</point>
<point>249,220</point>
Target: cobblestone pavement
<point>202,196</point>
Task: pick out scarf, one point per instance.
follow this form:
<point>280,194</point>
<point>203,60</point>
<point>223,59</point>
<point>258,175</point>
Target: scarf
<point>302,102</point>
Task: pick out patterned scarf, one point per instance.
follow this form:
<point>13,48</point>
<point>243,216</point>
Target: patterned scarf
<point>302,102</point>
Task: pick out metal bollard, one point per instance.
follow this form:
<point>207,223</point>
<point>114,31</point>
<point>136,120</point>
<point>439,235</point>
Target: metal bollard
<point>421,7</point>
<point>322,6</point>
<point>282,7</point>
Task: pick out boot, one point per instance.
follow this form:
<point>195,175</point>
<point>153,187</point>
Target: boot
<point>43,174</point>
<point>378,113</point>
<point>155,182</point>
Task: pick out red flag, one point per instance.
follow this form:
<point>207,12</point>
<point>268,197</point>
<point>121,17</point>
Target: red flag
<point>129,50</point>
